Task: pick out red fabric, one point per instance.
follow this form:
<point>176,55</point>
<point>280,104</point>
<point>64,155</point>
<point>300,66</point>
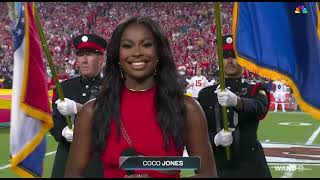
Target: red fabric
<point>227,47</point>
<point>138,115</point>
<point>91,45</point>
<point>36,87</point>
<point>256,87</point>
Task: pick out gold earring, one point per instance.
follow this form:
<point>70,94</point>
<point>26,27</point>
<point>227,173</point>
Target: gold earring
<point>122,76</point>
<point>155,71</point>
<point>121,73</point>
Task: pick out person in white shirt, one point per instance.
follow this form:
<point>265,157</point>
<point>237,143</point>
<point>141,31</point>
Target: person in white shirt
<point>279,95</point>
<point>197,83</point>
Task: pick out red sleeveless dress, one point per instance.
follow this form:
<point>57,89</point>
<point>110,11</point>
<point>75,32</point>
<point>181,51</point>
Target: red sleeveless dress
<point>138,115</point>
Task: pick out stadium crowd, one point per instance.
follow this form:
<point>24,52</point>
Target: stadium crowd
<point>189,26</point>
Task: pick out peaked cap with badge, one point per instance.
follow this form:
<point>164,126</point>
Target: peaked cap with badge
<point>80,90</point>
<point>90,42</point>
<point>227,46</point>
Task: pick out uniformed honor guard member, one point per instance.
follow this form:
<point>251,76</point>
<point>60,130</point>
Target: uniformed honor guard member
<point>246,105</point>
<point>90,51</point>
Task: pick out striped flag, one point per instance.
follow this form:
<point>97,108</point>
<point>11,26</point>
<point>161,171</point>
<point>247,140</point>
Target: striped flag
<point>281,41</point>
<point>30,110</point>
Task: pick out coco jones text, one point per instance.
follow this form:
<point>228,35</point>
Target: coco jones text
<point>165,163</point>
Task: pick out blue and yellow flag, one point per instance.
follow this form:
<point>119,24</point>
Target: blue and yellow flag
<point>281,41</point>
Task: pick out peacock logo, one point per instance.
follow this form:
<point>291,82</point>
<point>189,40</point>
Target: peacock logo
<point>301,9</point>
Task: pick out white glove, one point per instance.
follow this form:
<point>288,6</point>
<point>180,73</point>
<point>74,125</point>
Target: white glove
<point>68,133</point>
<point>226,98</point>
<point>67,107</point>
<point>224,138</point>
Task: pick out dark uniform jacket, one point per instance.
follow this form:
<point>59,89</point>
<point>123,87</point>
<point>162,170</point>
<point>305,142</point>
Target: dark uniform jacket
<point>80,90</point>
<point>247,156</point>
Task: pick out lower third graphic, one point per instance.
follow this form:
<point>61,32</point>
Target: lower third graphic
<point>159,163</point>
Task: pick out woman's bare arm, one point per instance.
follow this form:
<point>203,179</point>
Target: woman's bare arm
<point>198,143</point>
<point>80,151</point>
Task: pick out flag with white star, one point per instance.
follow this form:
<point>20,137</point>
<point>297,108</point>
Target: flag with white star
<point>30,109</point>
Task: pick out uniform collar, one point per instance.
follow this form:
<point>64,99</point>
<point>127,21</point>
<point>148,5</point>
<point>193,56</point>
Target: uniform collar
<point>234,80</point>
<point>91,80</point>
<point>234,84</point>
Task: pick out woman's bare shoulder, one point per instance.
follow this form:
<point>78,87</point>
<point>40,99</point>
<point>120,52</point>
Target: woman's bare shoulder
<point>87,111</point>
<point>190,103</point>
<point>89,106</point>
<point>195,114</point>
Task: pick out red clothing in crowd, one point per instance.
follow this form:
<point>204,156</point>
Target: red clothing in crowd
<point>245,73</point>
<point>50,84</point>
<point>185,19</point>
<point>63,77</point>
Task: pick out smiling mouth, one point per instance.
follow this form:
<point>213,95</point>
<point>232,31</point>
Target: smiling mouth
<point>140,65</point>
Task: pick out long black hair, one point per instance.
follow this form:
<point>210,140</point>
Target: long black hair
<point>169,97</point>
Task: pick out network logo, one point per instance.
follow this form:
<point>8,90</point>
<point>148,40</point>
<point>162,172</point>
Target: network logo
<point>301,9</point>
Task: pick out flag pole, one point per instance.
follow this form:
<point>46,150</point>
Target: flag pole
<point>221,69</point>
<point>51,65</point>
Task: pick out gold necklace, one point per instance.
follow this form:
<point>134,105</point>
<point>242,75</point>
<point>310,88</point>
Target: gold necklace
<point>142,90</point>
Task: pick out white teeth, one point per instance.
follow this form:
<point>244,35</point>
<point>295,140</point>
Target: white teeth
<point>138,63</point>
